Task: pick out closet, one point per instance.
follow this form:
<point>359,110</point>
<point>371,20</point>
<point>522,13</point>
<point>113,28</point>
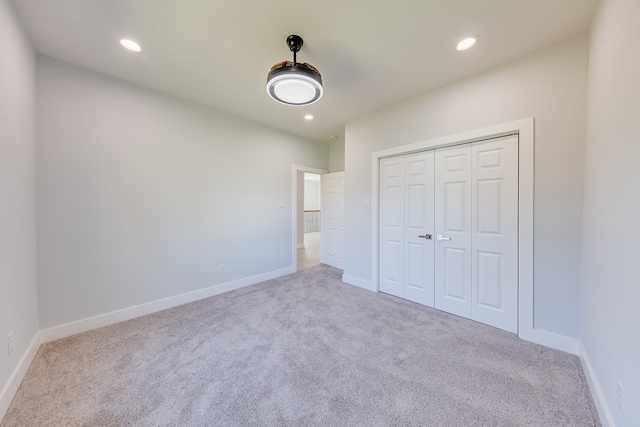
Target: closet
<point>449,229</point>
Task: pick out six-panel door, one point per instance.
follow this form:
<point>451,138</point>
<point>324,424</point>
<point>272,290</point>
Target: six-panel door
<point>453,230</point>
<point>494,227</point>
<point>406,224</point>
<point>332,219</point>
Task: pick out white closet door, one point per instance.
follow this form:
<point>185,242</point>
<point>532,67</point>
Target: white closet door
<point>418,239</point>
<point>406,227</point>
<point>495,233</point>
<point>453,230</point>
<point>392,213</point>
<point>332,219</point>
<point>477,232</point>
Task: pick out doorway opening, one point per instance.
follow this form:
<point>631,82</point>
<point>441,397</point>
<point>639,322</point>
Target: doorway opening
<point>302,258</point>
<point>309,245</point>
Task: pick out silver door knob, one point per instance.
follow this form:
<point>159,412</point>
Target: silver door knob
<point>426,236</point>
<point>441,237</point>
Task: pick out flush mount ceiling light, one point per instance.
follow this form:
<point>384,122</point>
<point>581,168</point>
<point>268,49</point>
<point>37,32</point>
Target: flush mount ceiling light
<point>467,42</point>
<point>294,83</point>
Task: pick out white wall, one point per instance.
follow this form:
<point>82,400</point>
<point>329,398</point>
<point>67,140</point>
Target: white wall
<point>549,85</point>
<point>141,195</point>
<point>18,298</point>
<point>336,156</point>
<point>611,224</point>
<point>311,192</point>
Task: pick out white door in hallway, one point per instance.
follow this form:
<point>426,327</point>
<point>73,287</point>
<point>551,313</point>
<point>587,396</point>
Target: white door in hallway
<point>406,227</point>
<point>476,267</point>
<point>332,220</point>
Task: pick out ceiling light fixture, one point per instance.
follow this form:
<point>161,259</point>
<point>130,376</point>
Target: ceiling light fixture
<point>130,45</point>
<point>467,42</point>
<point>294,83</point>
<point>308,117</point>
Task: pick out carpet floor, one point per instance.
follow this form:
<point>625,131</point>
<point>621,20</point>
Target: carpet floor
<point>301,350</point>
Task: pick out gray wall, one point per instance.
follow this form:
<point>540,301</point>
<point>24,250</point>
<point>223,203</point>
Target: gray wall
<point>611,225</point>
<point>18,303</point>
<point>141,195</point>
<point>549,85</point>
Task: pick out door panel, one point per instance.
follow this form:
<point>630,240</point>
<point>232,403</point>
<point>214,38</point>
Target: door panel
<point>495,233</point>
<point>489,280</point>
<point>332,218</point>
<point>453,221</point>
<point>406,213</point>
<point>419,222</point>
<point>394,263</point>
<point>454,281</point>
<point>392,257</point>
<point>454,206</point>
<point>489,195</point>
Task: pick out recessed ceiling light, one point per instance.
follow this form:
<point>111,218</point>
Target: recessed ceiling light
<point>467,42</point>
<point>130,45</point>
<point>308,117</point>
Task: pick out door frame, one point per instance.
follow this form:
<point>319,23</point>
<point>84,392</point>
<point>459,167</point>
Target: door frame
<point>294,210</point>
<point>525,129</point>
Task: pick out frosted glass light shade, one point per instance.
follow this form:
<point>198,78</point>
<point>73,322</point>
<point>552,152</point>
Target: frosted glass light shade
<point>294,84</point>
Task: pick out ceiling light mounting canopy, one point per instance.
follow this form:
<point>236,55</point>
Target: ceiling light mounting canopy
<point>294,83</point>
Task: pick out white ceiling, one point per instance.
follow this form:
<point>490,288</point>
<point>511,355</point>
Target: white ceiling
<point>371,53</point>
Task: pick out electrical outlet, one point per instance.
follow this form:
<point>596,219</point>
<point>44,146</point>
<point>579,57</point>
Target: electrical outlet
<point>10,343</point>
<point>221,269</point>
<point>620,397</point>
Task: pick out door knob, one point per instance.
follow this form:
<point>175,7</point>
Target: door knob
<point>441,237</point>
<point>426,236</point>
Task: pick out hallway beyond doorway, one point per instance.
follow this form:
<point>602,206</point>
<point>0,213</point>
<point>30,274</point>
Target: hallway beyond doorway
<point>310,254</point>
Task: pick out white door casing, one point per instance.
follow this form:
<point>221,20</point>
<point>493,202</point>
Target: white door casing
<point>297,209</point>
<point>332,219</point>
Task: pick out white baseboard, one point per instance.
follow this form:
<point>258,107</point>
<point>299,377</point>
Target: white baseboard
<point>11,387</point>
<point>552,340</point>
<point>596,391</point>
<point>117,316</point>
<point>356,281</point>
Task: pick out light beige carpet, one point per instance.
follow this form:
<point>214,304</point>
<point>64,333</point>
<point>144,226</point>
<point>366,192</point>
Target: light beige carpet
<point>301,350</point>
